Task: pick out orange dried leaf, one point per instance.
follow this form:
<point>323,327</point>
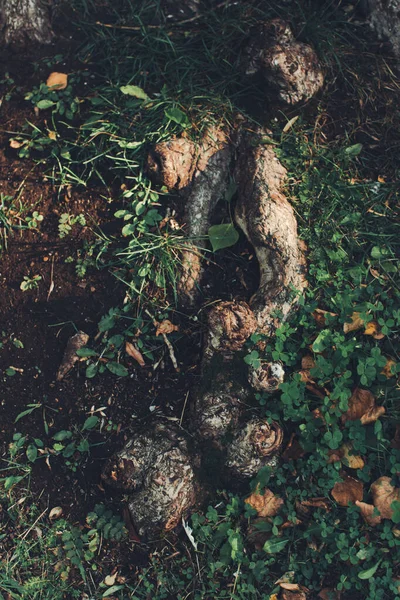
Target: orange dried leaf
<point>387,369</point>
<point>15,144</point>
<point>267,505</point>
<point>166,327</point>
<point>355,324</point>
<point>350,460</point>
<point>372,328</point>
<point>367,511</point>
<point>349,490</point>
<point>57,81</point>
<point>320,316</point>
<point>291,587</point>
<point>384,494</point>
<point>134,353</point>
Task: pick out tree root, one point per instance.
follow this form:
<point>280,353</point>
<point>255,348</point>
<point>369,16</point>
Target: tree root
<point>157,467</point>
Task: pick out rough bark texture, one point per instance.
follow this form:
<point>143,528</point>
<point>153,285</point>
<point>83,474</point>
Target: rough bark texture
<point>385,19</point>
<point>200,172</point>
<point>157,470</point>
<point>254,446</point>
<point>269,223</point>
<point>291,68</point>
<point>267,378</point>
<point>23,21</point>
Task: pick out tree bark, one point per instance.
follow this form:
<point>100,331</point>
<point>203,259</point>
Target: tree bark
<point>385,19</point>
<point>24,21</point>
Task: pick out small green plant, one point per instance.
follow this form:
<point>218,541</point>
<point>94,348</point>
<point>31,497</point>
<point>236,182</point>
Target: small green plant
<point>70,445</point>
<point>62,101</point>
<point>14,216</point>
<point>67,222</point>
<point>30,283</point>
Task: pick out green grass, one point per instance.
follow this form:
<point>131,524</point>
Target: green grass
<point>342,161</point>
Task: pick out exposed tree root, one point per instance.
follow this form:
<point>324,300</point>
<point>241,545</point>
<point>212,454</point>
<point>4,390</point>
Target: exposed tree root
<point>268,221</point>
<point>156,467</point>
<point>291,68</point>
<point>200,172</point>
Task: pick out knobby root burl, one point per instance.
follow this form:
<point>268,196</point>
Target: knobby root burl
<point>158,467</point>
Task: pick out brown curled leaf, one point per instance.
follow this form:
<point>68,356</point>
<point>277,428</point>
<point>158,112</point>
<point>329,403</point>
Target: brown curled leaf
<point>166,327</point>
<point>76,342</point>
<point>384,494</point>
<point>266,504</point>
<point>134,353</point>
<point>348,490</point>
<point>368,513</point>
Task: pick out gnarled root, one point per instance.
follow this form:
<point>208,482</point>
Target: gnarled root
<point>291,68</point>
<point>254,446</point>
<point>200,171</point>
<point>157,469</point>
<point>268,221</point>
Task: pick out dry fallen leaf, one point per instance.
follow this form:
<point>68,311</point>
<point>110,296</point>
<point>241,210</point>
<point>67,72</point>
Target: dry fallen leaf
<point>367,511</point>
<point>350,460</point>
<point>299,595</point>
<point>384,494</point>
<point>307,362</point>
<point>372,328</point>
<point>57,81</point>
<point>55,513</point>
<point>76,342</point>
<point>320,316</point>
<point>134,353</point>
<point>362,406</point>
<point>110,579</point>
<point>15,144</point>
<point>266,505</point>
<point>355,324</point>
<point>306,508</point>
<point>166,327</point>
<point>349,490</point>
<point>387,369</point>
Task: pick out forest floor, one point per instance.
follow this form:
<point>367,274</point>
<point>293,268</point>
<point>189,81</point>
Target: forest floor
<point>69,161</point>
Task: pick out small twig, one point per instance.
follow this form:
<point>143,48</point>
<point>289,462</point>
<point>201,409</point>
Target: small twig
<point>171,352</point>
<point>51,288</point>
<point>33,525</point>
<point>184,22</point>
<point>183,409</point>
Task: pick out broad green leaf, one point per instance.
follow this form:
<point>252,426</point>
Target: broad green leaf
<point>91,371</point>
<point>274,546</point>
<point>368,573</point>
<point>83,352</point>
<point>175,114</point>
<point>117,369</point>
<point>31,452</point>
<point>395,506</point>
<point>43,104</point>
<point>135,91</point>
<point>322,341</point>
<point>12,480</point>
<point>223,236</point>
<point>90,423</point>
<point>112,590</point>
<point>60,436</point>
<point>354,150</point>
<point>379,253</point>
